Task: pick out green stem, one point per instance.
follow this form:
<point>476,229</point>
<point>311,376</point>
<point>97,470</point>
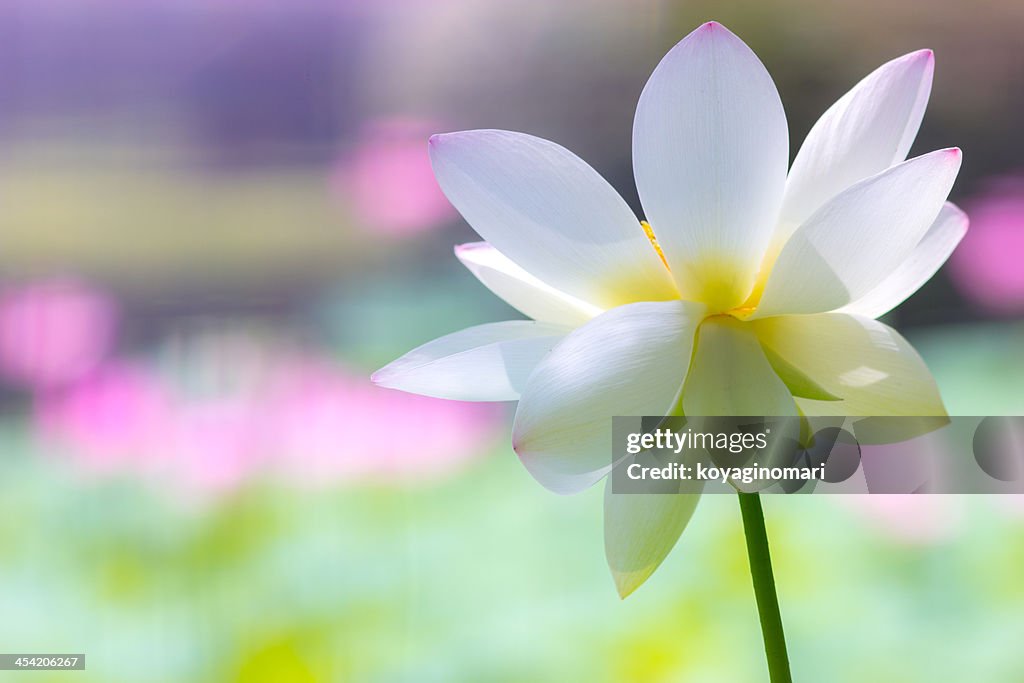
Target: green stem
<point>764,588</point>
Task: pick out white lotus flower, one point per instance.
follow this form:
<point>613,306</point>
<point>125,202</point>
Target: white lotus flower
<point>748,291</point>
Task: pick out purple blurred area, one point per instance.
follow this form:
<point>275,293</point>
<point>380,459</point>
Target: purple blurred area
<point>245,78</point>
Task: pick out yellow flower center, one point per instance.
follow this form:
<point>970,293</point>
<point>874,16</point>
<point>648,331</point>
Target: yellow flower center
<point>712,286</point>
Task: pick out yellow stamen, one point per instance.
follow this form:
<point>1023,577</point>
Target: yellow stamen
<point>741,312</point>
<point>649,231</point>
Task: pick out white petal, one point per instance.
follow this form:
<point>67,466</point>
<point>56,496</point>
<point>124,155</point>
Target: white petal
<point>710,149</point>
<point>484,363</point>
<point>521,290</point>
<point>866,131</point>
<point>552,214</point>
<point>630,360</point>
<point>857,238</point>
<point>731,376</point>
<point>864,362</point>
<point>926,259</point>
<point>640,530</point>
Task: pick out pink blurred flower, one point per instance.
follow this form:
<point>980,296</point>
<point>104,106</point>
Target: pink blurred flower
<point>987,265</point>
<point>127,420</point>
<point>301,419</point>
<point>53,331</point>
<point>214,445</point>
<point>388,182</point>
<point>329,423</point>
<point>112,420</point>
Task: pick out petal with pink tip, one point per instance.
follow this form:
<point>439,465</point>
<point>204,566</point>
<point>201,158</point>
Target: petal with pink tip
<point>866,131</point>
<point>926,259</point>
<point>859,237</point>
<point>710,150</point>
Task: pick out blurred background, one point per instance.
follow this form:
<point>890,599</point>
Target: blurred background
<point>217,217</point>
